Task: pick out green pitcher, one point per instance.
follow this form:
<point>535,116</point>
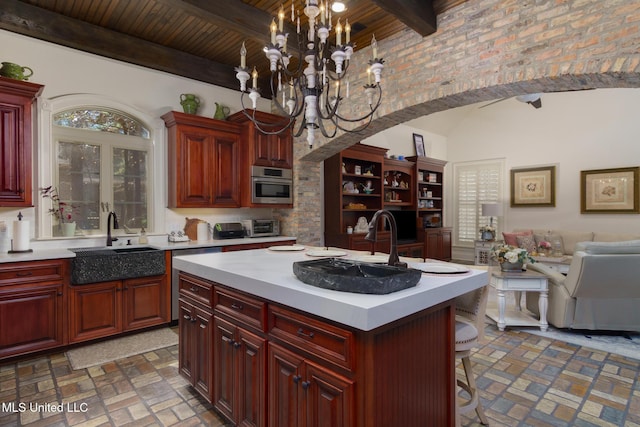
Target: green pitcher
<point>15,71</point>
<point>222,111</point>
<point>189,102</point>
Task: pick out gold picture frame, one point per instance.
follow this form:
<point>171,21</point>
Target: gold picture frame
<point>533,187</point>
<point>612,191</point>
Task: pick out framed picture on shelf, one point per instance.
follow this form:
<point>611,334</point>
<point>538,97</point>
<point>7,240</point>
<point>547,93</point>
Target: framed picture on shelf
<point>533,187</point>
<point>357,170</point>
<point>609,191</point>
<point>418,141</point>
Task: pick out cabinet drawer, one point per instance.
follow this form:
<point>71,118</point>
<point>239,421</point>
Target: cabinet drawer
<point>30,272</point>
<point>196,288</point>
<point>243,308</point>
<point>328,342</point>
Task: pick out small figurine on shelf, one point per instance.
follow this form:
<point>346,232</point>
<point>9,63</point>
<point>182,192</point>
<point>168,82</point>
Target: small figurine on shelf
<point>386,180</point>
<point>344,168</point>
<point>368,171</point>
<point>362,226</point>
<point>395,182</point>
<point>367,188</point>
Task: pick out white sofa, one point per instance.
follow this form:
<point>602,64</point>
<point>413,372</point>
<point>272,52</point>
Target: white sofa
<point>571,238</point>
<point>601,290</point>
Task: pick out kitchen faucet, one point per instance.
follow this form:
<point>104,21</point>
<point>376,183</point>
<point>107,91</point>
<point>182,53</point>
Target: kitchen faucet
<point>372,236</point>
<point>115,226</point>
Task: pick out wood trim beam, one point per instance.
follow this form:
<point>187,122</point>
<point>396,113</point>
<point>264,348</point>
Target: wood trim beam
<point>22,18</point>
<point>419,15</point>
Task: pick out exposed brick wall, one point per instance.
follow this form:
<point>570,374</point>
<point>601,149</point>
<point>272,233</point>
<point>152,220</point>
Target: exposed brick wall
<point>483,50</point>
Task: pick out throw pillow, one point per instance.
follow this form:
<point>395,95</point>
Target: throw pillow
<point>512,238</point>
<point>527,242</point>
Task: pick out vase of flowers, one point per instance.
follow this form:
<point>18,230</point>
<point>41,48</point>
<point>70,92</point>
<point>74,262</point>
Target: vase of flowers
<point>544,248</point>
<point>60,210</point>
<point>511,258</point>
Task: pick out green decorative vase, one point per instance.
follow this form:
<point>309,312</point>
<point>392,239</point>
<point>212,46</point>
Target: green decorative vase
<point>189,102</point>
<point>511,266</point>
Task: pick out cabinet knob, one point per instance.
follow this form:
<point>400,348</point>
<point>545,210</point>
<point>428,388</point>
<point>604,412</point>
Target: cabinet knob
<point>236,344</point>
<point>192,289</point>
<point>296,378</point>
<point>306,384</point>
<point>186,316</point>
<point>203,325</point>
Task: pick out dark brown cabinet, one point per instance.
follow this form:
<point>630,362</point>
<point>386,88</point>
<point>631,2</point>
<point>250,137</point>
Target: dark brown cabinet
<point>32,306</point>
<point>239,369</point>
<point>16,141</point>
<point>195,347</point>
<point>108,308</point>
<point>304,394</point>
<point>204,156</point>
<point>437,243</point>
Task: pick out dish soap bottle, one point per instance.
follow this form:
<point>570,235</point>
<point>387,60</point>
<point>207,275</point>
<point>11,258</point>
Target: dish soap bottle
<point>143,240</point>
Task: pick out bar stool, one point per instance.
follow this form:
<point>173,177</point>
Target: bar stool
<point>470,311</point>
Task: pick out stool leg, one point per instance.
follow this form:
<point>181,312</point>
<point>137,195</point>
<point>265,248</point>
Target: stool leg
<point>471,381</point>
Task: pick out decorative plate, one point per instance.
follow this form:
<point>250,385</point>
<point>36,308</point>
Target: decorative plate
<point>326,252</point>
<point>438,268</point>
<point>286,248</point>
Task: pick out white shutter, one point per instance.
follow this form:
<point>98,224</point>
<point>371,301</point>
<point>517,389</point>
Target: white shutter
<point>475,183</point>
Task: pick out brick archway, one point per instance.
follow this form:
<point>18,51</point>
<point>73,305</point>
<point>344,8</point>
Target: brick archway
<point>483,50</point>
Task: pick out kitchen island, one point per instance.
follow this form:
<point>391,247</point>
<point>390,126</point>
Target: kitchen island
<point>284,353</point>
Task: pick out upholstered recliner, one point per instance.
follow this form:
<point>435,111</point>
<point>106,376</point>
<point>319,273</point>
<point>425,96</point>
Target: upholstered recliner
<point>600,292</point>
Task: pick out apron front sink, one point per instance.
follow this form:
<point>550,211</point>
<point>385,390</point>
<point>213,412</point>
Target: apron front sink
<point>102,264</point>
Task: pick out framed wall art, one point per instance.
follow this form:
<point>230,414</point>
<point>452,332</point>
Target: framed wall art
<point>609,191</point>
<point>418,141</point>
<point>533,186</point>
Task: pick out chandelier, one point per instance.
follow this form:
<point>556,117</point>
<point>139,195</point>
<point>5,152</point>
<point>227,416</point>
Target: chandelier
<point>307,87</point>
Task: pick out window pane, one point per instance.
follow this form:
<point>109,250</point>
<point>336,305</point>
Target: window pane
<point>101,120</point>
<point>130,187</point>
<point>78,167</point>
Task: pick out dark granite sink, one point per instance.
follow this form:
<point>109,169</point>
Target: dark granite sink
<point>353,276</point>
<point>101,264</point>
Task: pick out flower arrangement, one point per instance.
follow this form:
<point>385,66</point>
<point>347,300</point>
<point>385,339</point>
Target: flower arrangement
<point>508,253</point>
<point>62,211</point>
<point>487,229</point>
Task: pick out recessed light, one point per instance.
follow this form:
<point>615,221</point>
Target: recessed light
<point>338,6</point>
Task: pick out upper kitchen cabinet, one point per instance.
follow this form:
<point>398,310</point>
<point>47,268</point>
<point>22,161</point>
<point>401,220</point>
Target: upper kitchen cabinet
<point>16,141</point>
<point>203,159</point>
<point>265,149</point>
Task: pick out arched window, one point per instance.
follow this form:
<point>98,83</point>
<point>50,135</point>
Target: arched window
<point>102,161</point>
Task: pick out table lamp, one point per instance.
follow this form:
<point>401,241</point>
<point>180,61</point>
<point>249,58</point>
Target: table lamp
<point>491,210</point>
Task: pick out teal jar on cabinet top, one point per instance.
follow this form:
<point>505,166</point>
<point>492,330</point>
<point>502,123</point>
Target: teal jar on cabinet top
<point>189,102</point>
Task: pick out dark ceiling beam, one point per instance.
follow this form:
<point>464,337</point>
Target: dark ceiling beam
<point>418,15</point>
<point>21,18</point>
<point>233,15</point>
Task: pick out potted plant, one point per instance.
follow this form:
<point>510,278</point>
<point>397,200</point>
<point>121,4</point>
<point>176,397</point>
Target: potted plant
<point>60,210</point>
<point>511,258</point>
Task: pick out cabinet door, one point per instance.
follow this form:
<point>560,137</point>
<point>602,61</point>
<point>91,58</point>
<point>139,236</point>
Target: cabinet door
<point>446,244</point>
<point>186,340</point>
<point>251,365</point>
<point>225,172</point>
<point>32,318</point>
<point>194,183</point>
<point>284,375</point>
<point>144,302</point>
<point>95,311</point>
<point>224,369</point>
<point>273,150</point>
<point>16,140</point>
<point>329,398</point>
<point>203,332</point>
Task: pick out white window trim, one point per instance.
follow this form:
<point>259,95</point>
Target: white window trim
<point>45,173</point>
<point>456,205</point>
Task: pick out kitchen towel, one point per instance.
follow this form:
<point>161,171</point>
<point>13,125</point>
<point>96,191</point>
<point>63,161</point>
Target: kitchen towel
<point>20,236</point>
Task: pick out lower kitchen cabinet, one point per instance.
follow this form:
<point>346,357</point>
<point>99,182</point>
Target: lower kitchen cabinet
<point>239,360</point>
<point>103,309</point>
<point>437,243</point>
<point>195,349</point>
<point>302,393</point>
<point>32,302</point>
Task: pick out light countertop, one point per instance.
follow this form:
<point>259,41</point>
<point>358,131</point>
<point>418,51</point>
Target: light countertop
<point>269,275</point>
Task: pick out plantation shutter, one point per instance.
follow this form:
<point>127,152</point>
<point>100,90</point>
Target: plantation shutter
<point>475,183</point>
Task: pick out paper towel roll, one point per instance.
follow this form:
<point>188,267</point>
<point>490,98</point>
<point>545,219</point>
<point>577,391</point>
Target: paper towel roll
<point>203,231</point>
<point>20,236</point>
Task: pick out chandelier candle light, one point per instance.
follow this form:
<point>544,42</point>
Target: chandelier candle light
<point>306,87</point>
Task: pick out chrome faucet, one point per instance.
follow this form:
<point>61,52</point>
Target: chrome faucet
<point>372,236</point>
<point>115,226</point>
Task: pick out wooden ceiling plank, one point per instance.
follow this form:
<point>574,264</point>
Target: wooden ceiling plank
<point>416,14</point>
<point>36,22</point>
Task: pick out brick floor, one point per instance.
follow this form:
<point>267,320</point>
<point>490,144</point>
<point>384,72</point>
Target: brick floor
<point>525,380</point>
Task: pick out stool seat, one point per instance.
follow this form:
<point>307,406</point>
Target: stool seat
<point>466,336</point>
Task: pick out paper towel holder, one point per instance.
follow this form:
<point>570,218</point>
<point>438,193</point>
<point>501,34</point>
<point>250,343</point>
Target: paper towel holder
<point>20,216</point>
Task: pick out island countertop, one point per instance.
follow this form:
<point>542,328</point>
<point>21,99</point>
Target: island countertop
<point>269,275</point>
